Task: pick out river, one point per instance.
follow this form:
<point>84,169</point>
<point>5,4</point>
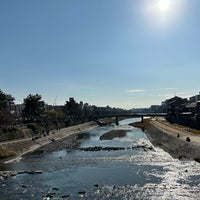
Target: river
<point>139,171</point>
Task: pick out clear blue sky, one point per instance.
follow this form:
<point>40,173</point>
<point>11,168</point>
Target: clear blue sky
<point>122,53</point>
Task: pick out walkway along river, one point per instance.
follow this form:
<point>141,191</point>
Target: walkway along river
<point>127,167</point>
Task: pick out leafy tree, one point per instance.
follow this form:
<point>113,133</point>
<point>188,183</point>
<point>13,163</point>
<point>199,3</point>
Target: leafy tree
<point>54,116</point>
<point>6,120</point>
<point>73,110</point>
<point>87,111</point>
<point>3,101</point>
<point>34,107</point>
<point>6,101</point>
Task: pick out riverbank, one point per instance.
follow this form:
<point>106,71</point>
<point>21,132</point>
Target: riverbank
<point>22,147</point>
<point>113,134</point>
<point>172,139</point>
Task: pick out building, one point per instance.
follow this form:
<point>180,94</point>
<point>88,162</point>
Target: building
<point>19,108</point>
<point>195,98</point>
<point>184,112</point>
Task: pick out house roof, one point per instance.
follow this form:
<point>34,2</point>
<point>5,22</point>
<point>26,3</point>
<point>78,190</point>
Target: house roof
<point>192,105</point>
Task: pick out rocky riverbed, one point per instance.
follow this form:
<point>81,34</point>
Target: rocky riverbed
<point>82,166</point>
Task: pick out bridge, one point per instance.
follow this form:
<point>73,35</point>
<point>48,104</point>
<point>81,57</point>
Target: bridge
<point>130,115</point>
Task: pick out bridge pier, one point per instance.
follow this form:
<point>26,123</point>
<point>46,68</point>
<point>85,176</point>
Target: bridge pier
<point>142,119</point>
<point>117,121</point>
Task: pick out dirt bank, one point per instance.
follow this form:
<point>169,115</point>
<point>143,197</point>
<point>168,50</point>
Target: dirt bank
<point>22,147</point>
<point>172,139</point>
<point>113,134</point>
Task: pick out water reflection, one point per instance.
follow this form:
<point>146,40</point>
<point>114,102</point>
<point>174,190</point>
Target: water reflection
<point>126,174</point>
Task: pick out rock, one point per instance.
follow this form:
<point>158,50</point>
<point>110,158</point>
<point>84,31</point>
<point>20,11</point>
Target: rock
<point>96,185</point>
<point>55,189</point>
<point>151,148</point>
<point>34,172</point>
<point>50,195</point>
<point>81,193</point>
<point>6,174</point>
<point>97,148</point>
<point>188,139</point>
<point>30,172</point>
<point>197,160</point>
<point>24,186</point>
<point>182,157</point>
<point>65,196</point>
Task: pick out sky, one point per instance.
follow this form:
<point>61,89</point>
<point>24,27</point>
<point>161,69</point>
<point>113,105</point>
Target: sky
<point>121,53</point>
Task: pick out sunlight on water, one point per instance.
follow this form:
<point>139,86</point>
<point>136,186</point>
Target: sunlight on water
<point>139,171</point>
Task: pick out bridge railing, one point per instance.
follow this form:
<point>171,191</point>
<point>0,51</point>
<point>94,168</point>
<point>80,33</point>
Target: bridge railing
<point>134,115</point>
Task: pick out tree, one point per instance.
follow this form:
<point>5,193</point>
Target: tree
<point>54,117</point>
<point>3,102</point>
<point>73,110</point>
<point>87,111</point>
<point>6,120</point>
<point>34,107</point>
<point>6,101</point>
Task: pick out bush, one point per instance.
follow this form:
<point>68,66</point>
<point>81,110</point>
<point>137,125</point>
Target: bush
<point>36,128</point>
<point>11,134</point>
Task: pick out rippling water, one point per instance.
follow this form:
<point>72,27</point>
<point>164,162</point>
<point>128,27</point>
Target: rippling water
<point>125,174</point>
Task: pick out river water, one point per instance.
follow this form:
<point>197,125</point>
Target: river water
<point>140,171</point>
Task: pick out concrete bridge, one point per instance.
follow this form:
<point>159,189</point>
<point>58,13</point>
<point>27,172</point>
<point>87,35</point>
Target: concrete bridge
<point>130,115</point>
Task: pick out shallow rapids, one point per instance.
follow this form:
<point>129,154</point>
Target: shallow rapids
<point>128,173</point>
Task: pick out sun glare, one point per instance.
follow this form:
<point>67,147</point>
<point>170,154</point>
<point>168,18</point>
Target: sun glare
<point>163,14</point>
<point>163,5</point>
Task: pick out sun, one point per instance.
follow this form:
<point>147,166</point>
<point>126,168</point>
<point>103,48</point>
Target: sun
<point>163,5</point>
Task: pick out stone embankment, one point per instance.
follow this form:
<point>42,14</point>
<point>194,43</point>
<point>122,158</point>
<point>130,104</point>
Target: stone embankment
<point>175,140</point>
<point>24,146</point>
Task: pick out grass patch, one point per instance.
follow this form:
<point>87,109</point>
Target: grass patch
<point>11,134</point>
<point>35,127</point>
<point>5,154</point>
